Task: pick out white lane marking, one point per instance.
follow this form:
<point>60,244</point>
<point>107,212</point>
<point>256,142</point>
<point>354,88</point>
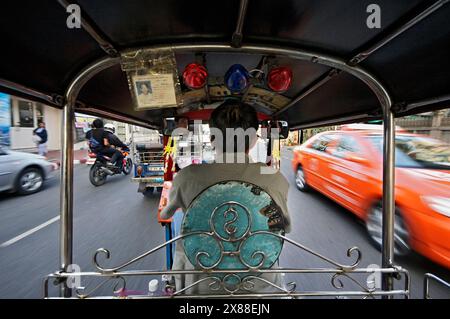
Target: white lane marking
<point>29,232</point>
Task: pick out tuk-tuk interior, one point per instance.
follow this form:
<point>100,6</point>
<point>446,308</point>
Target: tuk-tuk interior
<point>344,69</point>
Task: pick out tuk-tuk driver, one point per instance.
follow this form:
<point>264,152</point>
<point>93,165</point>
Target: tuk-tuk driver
<point>194,179</point>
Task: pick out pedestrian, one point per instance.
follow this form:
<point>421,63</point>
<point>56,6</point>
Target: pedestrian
<point>40,137</point>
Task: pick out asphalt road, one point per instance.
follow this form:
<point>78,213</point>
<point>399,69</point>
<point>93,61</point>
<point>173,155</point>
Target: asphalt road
<point>118,218</point>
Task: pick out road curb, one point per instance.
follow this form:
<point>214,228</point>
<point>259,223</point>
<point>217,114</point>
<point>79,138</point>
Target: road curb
<point>75,162</point>
<point>81,161</point>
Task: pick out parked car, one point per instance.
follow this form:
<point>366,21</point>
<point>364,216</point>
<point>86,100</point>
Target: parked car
<point>346,166</point>
<point>24,173</point>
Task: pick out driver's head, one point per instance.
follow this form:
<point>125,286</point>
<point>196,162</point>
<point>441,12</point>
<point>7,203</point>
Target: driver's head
<point>183,122</point>
<point>239,117</point>
<point>98,123</point>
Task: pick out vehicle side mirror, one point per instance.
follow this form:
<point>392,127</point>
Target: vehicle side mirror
<point>169,126</point>
<point>283,129</point>
<point>356,159</point>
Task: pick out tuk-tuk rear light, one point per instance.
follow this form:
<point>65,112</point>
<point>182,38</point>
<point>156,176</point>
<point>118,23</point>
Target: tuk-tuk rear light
<point>236,78</point>
<point>279,79</point>
<point>195,76</point>
<point>139,171</point>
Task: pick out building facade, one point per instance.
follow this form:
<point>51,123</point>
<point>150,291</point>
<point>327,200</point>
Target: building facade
<point>19,117</point>
<point>435,124</point>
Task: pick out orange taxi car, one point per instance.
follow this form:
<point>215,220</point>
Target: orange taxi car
<point>346,165</point>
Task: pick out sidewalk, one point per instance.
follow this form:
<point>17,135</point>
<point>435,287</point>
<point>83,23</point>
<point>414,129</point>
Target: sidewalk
<point>79,156</point>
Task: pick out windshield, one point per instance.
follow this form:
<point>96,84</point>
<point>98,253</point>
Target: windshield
<point>418,151</point>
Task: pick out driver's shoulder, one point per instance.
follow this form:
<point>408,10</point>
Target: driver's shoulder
<point>193,170</point>
<point>269,176</point>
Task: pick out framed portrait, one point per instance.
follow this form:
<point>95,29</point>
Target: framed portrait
<point>154,90</point>
<point>152,78</point>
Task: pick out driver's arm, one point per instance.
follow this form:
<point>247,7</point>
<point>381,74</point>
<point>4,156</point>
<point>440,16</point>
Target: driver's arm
<point>175,198</point>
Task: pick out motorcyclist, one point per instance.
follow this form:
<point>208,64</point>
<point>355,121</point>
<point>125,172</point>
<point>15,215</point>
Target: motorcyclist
<point>99,141</point>
<point>98,138</point>
<point>115,142</point>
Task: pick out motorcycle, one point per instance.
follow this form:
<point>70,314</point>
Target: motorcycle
<point>102,168</point>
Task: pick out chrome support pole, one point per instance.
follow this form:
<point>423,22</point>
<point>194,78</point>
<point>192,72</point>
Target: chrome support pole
<point>66,192</point>
<point>236,39</point>
<point>388,196</point>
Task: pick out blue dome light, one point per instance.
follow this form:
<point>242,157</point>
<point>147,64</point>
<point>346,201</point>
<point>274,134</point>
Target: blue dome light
<point>236,78</point>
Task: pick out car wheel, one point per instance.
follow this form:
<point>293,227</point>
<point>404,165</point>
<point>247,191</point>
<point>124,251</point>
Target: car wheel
<point>30,181</point>
<point>300,180</point>
<point>374,228</point>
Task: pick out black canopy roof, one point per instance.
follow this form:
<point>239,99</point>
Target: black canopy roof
<point>40,53</point>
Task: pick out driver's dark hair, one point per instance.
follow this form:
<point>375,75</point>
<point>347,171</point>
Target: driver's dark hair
<point>98,123</point>
<point>233,113</point>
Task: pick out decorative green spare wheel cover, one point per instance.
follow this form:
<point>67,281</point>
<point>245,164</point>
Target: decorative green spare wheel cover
<point>233,225</point>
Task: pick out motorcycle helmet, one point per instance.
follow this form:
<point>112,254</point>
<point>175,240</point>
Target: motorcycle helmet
<point>109,127</point>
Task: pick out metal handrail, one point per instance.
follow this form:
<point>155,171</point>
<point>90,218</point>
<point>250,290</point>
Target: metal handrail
<point>426,284</point>
<point>246,276</point>
<point>281,293</point>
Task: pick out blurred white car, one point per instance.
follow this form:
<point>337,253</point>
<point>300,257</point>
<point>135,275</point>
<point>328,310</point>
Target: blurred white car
<point>24,173</point>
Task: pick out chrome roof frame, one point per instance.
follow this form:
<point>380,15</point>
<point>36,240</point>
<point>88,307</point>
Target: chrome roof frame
<point>66,224</point>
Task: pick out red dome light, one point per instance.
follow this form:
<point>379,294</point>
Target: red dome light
<point>279,79</point>
<point>195,76</point>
